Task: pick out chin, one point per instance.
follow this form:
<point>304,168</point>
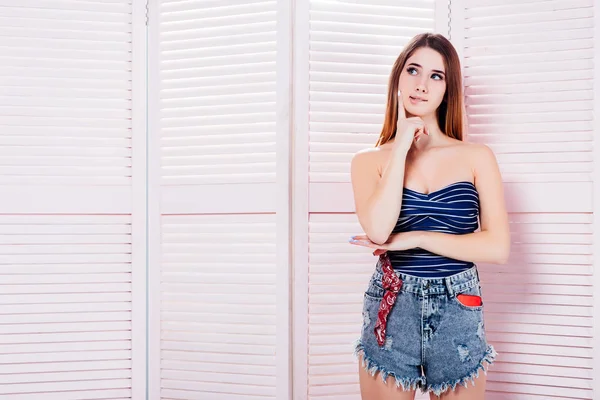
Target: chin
<point>418,112</point>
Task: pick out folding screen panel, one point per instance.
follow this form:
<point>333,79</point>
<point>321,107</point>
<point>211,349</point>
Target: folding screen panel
<point>72,176</point>
<point>529,79</point>
<point>219,237</point>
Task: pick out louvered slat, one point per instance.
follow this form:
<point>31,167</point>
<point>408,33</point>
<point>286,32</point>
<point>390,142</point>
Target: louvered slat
<point>218,91</point>
<point>218,321</point>
<point>65,93</point>
<point>539,306</point>
<point>529,87</point>
<point>65,306</point>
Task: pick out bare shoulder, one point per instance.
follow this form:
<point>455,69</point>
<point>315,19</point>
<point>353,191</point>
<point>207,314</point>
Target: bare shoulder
<point>371,158</point>
<point>483,163</point>
<point>369,152</point>
<point>477,154</point>
<point>481,156</point>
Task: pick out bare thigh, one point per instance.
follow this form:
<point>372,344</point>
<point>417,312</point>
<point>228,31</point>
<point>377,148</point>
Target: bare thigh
<point>373,388</point>
<point>476,392</point>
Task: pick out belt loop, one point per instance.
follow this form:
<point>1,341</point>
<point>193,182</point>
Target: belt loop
<point>449,287</point>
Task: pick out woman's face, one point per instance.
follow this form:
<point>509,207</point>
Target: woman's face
<point>423,77</point>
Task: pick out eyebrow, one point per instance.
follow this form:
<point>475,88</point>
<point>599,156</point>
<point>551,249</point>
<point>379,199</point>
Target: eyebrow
<point>434,70</point>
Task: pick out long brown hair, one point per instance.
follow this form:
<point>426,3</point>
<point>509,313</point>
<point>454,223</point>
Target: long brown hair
<point>450,111</point>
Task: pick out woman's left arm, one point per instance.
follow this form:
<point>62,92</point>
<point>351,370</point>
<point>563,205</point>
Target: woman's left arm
<point>492,243</point>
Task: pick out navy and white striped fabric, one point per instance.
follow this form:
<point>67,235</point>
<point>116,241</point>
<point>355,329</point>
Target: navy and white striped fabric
<point>453,209</point>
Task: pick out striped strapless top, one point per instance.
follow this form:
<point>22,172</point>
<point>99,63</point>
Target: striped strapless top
<point>453,209</point>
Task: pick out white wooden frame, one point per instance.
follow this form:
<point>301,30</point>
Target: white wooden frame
<point>595,204</point>
<point>283,206</point>
<point>442,18</point>
<point>177,199</point>
<point>300,199</point>
<point>138,203</point>
<point>153,208</point>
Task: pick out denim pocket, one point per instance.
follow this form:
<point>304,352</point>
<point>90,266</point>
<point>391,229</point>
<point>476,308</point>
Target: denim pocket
<point>375,289</point>
<point>472,291</point>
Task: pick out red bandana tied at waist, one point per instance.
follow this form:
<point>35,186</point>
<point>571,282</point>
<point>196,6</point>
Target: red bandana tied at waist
<point>391,284</point>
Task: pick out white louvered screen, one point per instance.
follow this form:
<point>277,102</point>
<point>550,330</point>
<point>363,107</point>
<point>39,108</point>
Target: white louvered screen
<point>532,102</point>
<point>352,47</point>
<point>69,309</point>
<point>528,85</point>
<point>65,93</point>
<point>338,279</point>
<point>218,90</point>
<point>65,306</point>
<point>218,306</point>
<point>220,276</point>
<point>539,309</point>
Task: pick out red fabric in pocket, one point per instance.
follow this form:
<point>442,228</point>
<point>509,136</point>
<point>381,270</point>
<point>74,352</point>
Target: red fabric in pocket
<point>469,300</point>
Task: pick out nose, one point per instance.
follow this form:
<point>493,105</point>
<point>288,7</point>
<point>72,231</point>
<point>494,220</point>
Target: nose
<point>422,85</point>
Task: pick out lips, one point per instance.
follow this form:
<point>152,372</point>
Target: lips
<point>416,100</point>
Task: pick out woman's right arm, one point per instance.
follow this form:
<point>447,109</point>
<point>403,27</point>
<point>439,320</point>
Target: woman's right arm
<point>378,198</point>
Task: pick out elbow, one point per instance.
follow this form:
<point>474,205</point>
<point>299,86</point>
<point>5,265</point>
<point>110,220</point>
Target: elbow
<point>378,240</point>
<point>502,259</point>
<point>377,237</point>
<point>377,233</point>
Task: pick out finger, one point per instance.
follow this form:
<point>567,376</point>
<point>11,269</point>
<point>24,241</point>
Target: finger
<point>356,238</point>
<point>401,109</point>
<point>366,243</point>
<point>418,134</point>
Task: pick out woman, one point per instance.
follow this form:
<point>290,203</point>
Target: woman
<point>420,195</point>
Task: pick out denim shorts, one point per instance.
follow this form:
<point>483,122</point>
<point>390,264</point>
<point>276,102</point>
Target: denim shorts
<point>433,341</point>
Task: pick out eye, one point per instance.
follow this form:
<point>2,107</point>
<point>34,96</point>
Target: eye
<point>439,77</point>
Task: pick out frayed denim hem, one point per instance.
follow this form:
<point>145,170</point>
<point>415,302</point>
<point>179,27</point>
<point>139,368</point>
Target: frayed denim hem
<point>372,367</point>
<point>489,357</point>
